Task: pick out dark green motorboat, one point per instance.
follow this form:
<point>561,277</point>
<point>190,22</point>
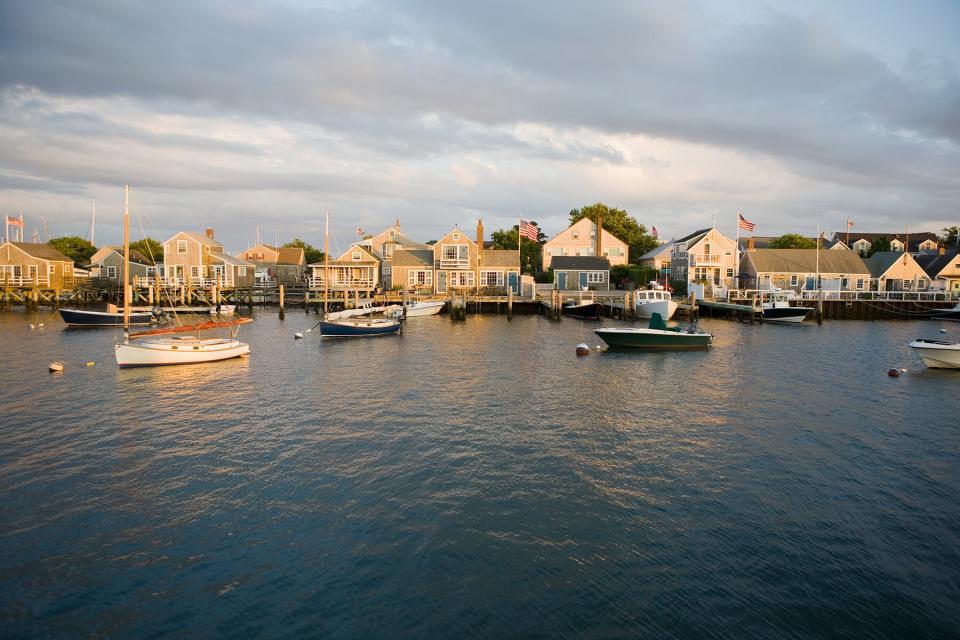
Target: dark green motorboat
<point>656,336</point>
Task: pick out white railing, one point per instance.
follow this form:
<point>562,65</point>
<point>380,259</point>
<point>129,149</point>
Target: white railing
<point>456,263</point>
<point>206,283</point>
<point>712,259</point>
<point>149,281</point>
<point>895,296</point>
<point>21,281</point>
<point>339,284</point>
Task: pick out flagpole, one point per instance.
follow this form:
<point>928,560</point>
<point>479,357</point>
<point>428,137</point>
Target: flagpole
<point>519,254</point>
<point>736,279</point>
<point>21,226</point>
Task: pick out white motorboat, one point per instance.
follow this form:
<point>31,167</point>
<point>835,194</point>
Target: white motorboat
<point>647,302</point>
<point>419,309</point>
<point>777,309</point>
<point>938,354</point>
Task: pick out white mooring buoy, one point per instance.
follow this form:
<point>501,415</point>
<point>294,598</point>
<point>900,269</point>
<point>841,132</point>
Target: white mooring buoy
<point>583,349</point>
<point>56,367</point>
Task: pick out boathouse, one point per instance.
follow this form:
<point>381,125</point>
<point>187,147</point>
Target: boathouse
<point>581,273</point>
<point>357,270</point>
<point>107,265</point>
<point>942,268</point>
<point>797,269</point>
<point>34,264</point>
<point>291,265</point>
<point>896,271</point>
<point>580,239</point>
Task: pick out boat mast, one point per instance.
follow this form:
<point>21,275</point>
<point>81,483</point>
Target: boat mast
<point>326,264</point>
<point>126,263</point>
<point>93,225</point>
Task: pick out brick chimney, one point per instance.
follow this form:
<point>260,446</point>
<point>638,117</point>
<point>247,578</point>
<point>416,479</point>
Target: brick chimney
<point>751,244</point>
<point>480,238</point>
<point>599,251</point>
<point>210,233</point>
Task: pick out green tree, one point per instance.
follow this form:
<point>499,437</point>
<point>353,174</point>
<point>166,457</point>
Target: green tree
<point>949,239</point>
<point>880,244</point>
<point>75,248</point>
<point>149,249</point>
<point>792,241</point>
<point>621,224</point>
<point>531,253</point>
<point>311,253</point>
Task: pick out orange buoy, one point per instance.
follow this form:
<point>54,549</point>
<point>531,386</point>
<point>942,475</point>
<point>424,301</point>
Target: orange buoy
<point>894,373</point>
<point>583,349</point>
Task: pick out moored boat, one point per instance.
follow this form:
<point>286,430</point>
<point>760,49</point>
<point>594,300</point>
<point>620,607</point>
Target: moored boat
<point>778,309</point>
<point>87,318</point>
<point>585,309</point>
<point>359,327</point>
<point>655,336</point>
<point>647,302</point>
<point>419,309</point>
<point>937,354</point>
<point>946,314</point>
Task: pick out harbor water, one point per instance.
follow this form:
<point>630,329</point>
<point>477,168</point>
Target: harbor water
<point>478,479</point>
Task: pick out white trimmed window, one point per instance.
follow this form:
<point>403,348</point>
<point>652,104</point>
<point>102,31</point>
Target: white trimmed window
<point>194,272</point>
<point>455,236</point>
<point>794,279</point>
<point>491,278</point>
<point>594,277</point>
<point>67,269</point>
<point>456,251</point>
<point>420,278</point>
<point>859,284</point>
<point>50,269</point>
<point>181,246</point>
<point>355,256</point>
<point>111,272</point>
<point>461,279</point>
<point>729,271</point>
<point>241,271</point>
<point>844,283</point>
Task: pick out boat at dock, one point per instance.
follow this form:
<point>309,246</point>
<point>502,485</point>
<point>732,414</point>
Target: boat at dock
<point>87,318</point>
<point>583,309</point>
<point>777,309</point>
<point>657,335</point>
<point>647,302</point>
<point>937,354</point>
<point>946,314</point>
<point>418,309</point>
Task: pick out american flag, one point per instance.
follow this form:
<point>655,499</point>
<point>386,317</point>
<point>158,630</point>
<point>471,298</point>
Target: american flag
<point>528,230</point>
<point>14,222</point>
<point>653,232</point>
<point>359,231</point>
<point>745,224</point>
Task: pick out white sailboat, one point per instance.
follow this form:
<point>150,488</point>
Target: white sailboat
<point>135,351</point>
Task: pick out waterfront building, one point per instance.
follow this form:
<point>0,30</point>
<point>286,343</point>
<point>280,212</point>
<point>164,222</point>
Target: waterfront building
<point>386,243</point>
<point>285,265</point>
<point>797,269</point>
<point>581,272</point>
<point>580,239</point>
<point>705,257</point>
<point>199,261</point>
<point>896,271</point>
<point>412,269</point>
<point>263,256</point>
<point>658,259</point>
<point>107,264</point>
<point>462,264</point>
<point>35,264</point>
<point>356,270</point>
<point>920,242</point>
<point>942,268</point>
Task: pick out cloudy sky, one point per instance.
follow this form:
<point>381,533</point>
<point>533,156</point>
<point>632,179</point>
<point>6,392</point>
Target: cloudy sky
<point>238,114</point>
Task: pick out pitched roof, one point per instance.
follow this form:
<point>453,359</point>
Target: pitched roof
<point>934,263</point>
<point>916,237</point>
<point>763,242</point>
<point>805,261</point>
<point>231,260</point>
<point>290,255</point>
<point>500,258</point>
<point>695,234</point>
<point>881,261</point>
<point>135,256</point>
<point>41,250</point>
<point>413,258</point>
<point>197,237</point>
<point>666,247</point>
<point>579,263</point>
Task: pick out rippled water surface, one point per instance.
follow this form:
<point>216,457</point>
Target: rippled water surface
<point>479,480</point>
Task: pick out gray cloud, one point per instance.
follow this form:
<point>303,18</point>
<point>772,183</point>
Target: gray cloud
<point>366,90</point>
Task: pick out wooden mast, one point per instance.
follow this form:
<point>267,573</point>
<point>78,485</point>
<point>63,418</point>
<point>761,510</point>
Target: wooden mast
<point>326,265</point>
<point>126,263</point>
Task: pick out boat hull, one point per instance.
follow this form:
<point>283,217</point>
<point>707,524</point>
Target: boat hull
<point>947,314</point>
<point>786,314</point>
<point>173,351</point>
<point>84,318</point>
<point>653,339</point>
<point>358,328</point>
<point>585,311</point>
<point>938,355</point>
<point>421,309</point>
<point>666,308</point>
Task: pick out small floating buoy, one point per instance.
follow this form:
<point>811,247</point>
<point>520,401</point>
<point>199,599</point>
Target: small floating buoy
<point>40,325</point>
<point>33,326</point>
<point>583,349</point>
<point>894,373</point>
<point>297,335</point>
<point>943,330</point>
<point>56,367</point>
<point>91,363</point>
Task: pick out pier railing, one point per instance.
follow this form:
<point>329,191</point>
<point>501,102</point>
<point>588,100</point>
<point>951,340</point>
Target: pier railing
<point>740,295</point>
<point>24,281</point>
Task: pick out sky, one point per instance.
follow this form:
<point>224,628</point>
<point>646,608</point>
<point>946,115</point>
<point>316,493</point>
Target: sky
<point>245,115</point>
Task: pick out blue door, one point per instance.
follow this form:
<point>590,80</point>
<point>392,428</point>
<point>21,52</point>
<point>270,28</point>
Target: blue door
<point>513,282</point>
<point>562,280</point>
<point>583,279</point>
